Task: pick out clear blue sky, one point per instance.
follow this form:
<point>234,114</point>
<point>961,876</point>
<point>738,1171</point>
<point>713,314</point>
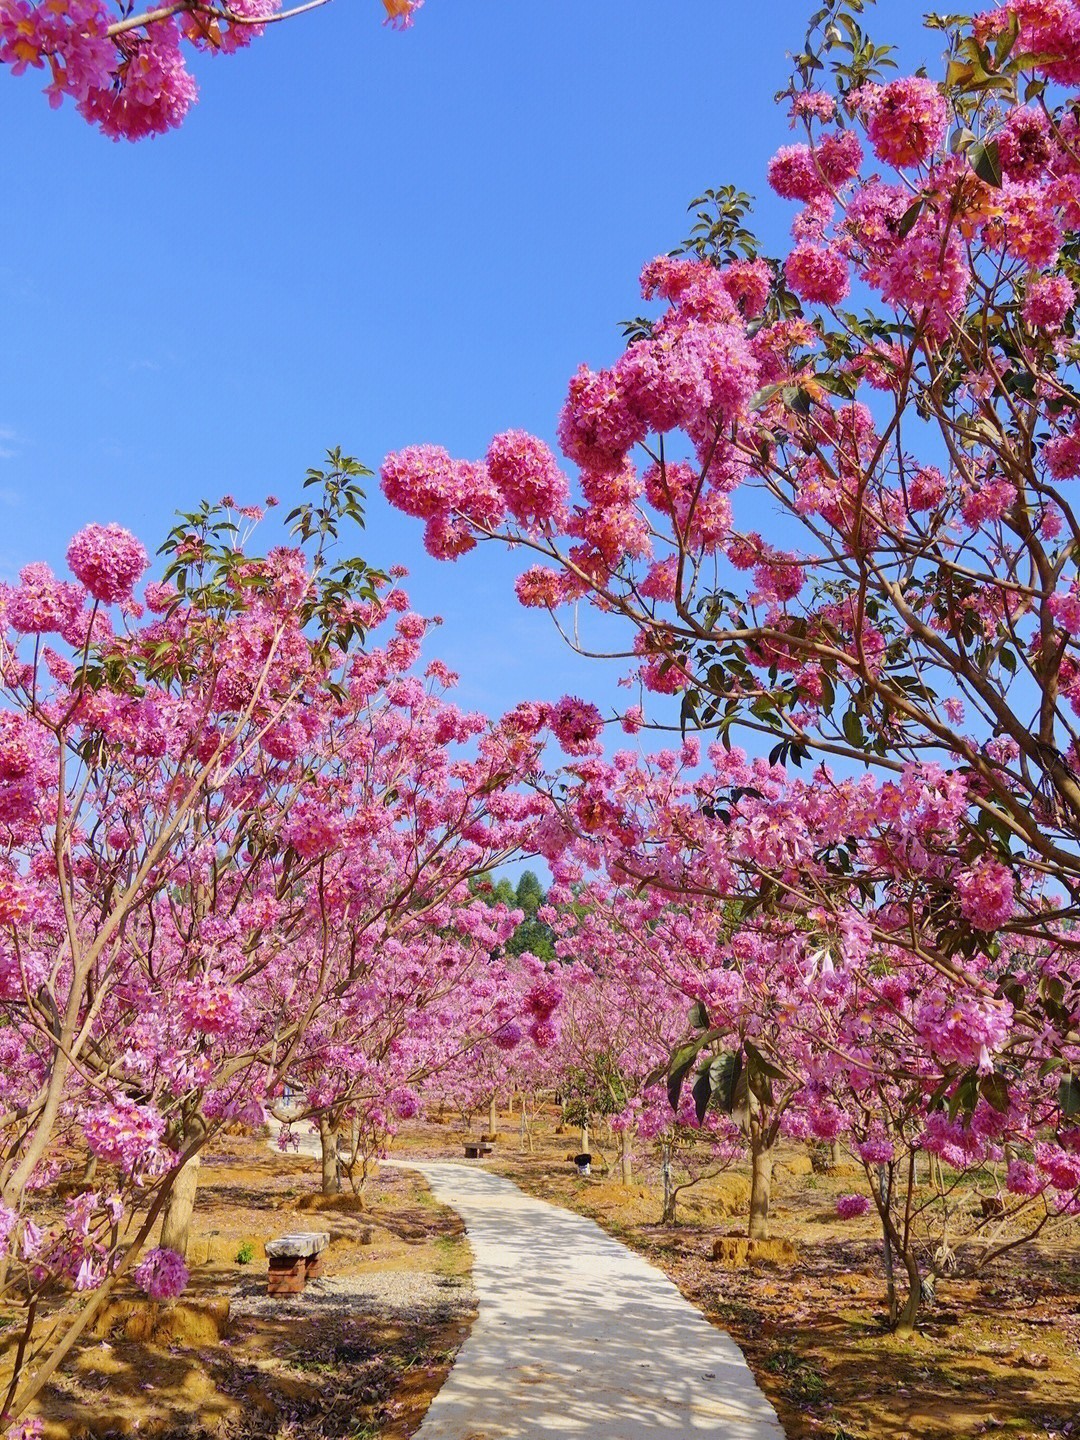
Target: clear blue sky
<point>367,239</point>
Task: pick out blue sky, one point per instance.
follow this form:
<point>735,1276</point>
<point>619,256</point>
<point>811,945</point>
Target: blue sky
<point>367,239</point>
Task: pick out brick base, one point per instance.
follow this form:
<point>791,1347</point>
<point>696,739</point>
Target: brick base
<point>287,1277</point>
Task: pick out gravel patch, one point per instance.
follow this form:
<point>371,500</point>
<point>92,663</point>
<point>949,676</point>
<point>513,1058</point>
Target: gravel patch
<point>397,1294</point>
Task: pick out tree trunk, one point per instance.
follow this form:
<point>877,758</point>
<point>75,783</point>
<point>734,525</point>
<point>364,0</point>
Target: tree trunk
<point>760,1191</point>
<point>585,1138</point>
<point>670,1193</point>
<point>493,1114</point>
<point>905,1324</point>
<point>179,1208</point>
<point>331,1170</point>
<point>626,1167</point>
<point>836,1155</point>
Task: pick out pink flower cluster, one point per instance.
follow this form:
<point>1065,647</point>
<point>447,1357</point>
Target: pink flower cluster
<point>520,476</point>
<point>125,1134</point>
<point>312,831</point>
<point>108,560</point>
<point>987,894</point>
<point>906,120</point>
<point>135,82</point>
<point>210,1007</point>
<point>162,1274</point>
<point>577,725</point>
<point>850,1206</point>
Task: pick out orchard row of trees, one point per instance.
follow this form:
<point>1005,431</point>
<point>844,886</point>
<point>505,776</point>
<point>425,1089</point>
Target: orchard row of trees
<point>242,827</point>
<point>828,497</point>
<point>245,835</point>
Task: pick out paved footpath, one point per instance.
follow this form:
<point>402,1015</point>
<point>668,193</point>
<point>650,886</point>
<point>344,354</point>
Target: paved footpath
<point>578,1336</point>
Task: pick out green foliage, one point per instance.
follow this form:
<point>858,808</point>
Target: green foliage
<point>529,894</point>
<point>598,1090</point>
<point>718,233</point>
<point>246,1253</point>
<point>836,41</point>
<point>535,937</point>
<point>531,935</point>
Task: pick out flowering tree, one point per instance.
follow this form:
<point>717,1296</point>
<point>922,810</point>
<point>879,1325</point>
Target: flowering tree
<point>894,406</point>
<point>805,1019</point>
<point>231,840</point>
<point>126,68</point>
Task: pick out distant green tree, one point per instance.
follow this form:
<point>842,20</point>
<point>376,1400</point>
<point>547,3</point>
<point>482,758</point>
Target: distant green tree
<point>534,936</point>
<point>502,892</point>
<point>529,895</point>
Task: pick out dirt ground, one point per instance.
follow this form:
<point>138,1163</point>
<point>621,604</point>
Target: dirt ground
<point>999,1354</point>
<point>359,1355</point>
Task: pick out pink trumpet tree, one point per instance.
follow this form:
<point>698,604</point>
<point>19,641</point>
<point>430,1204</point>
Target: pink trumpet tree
<point>126,69</point>
<point>235,846</point>
<point>829,498</point>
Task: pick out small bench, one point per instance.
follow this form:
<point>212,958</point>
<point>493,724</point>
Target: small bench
<point>477,1149</point>
<point>294,1260</point>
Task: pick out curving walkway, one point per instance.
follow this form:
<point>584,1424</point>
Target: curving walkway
<point>578,1336</point>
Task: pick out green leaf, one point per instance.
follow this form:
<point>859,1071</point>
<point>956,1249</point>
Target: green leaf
<point>681,1062</point>
<point>909,217</point>
<point>994,1089</point>
<point>759,1062</point>
<point>984,159</point>
<point>853,730</point>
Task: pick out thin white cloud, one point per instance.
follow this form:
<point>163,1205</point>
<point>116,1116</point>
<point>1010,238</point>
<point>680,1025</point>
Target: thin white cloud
<point>10,440</point>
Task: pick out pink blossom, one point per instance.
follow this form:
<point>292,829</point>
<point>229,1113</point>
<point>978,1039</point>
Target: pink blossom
<point>1047,301</point>
<point>906,120</point>
<point>876,1151</point>
<point>162,1274</point>
<point>1024,143</point>
<point>926,488</point>
<point>211,1008</point>
<point>8,1220</point>
<point>794,175</point>
<point>987,894</point>
<point>988,501</point>
<point>107,560</point>
<point>850,1206</point>
<point>400,14</point>
<point>528,475</point>
<point>817,274</point>
<point>1024,1179</point>
<point>1061,455</point>
<point>124,1133</point>
<point>540,588</point>
<point>508,1036</point>
<point>576,725</point>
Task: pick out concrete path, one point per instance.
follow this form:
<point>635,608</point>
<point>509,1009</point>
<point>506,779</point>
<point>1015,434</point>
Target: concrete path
<point>578,1336</point>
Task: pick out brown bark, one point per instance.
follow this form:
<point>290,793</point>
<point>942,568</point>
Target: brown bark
<point>331,1169</point>
<point>180,1204</point>
<point>760,1191</point>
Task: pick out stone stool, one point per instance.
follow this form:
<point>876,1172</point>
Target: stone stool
<point>294,1260</point>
